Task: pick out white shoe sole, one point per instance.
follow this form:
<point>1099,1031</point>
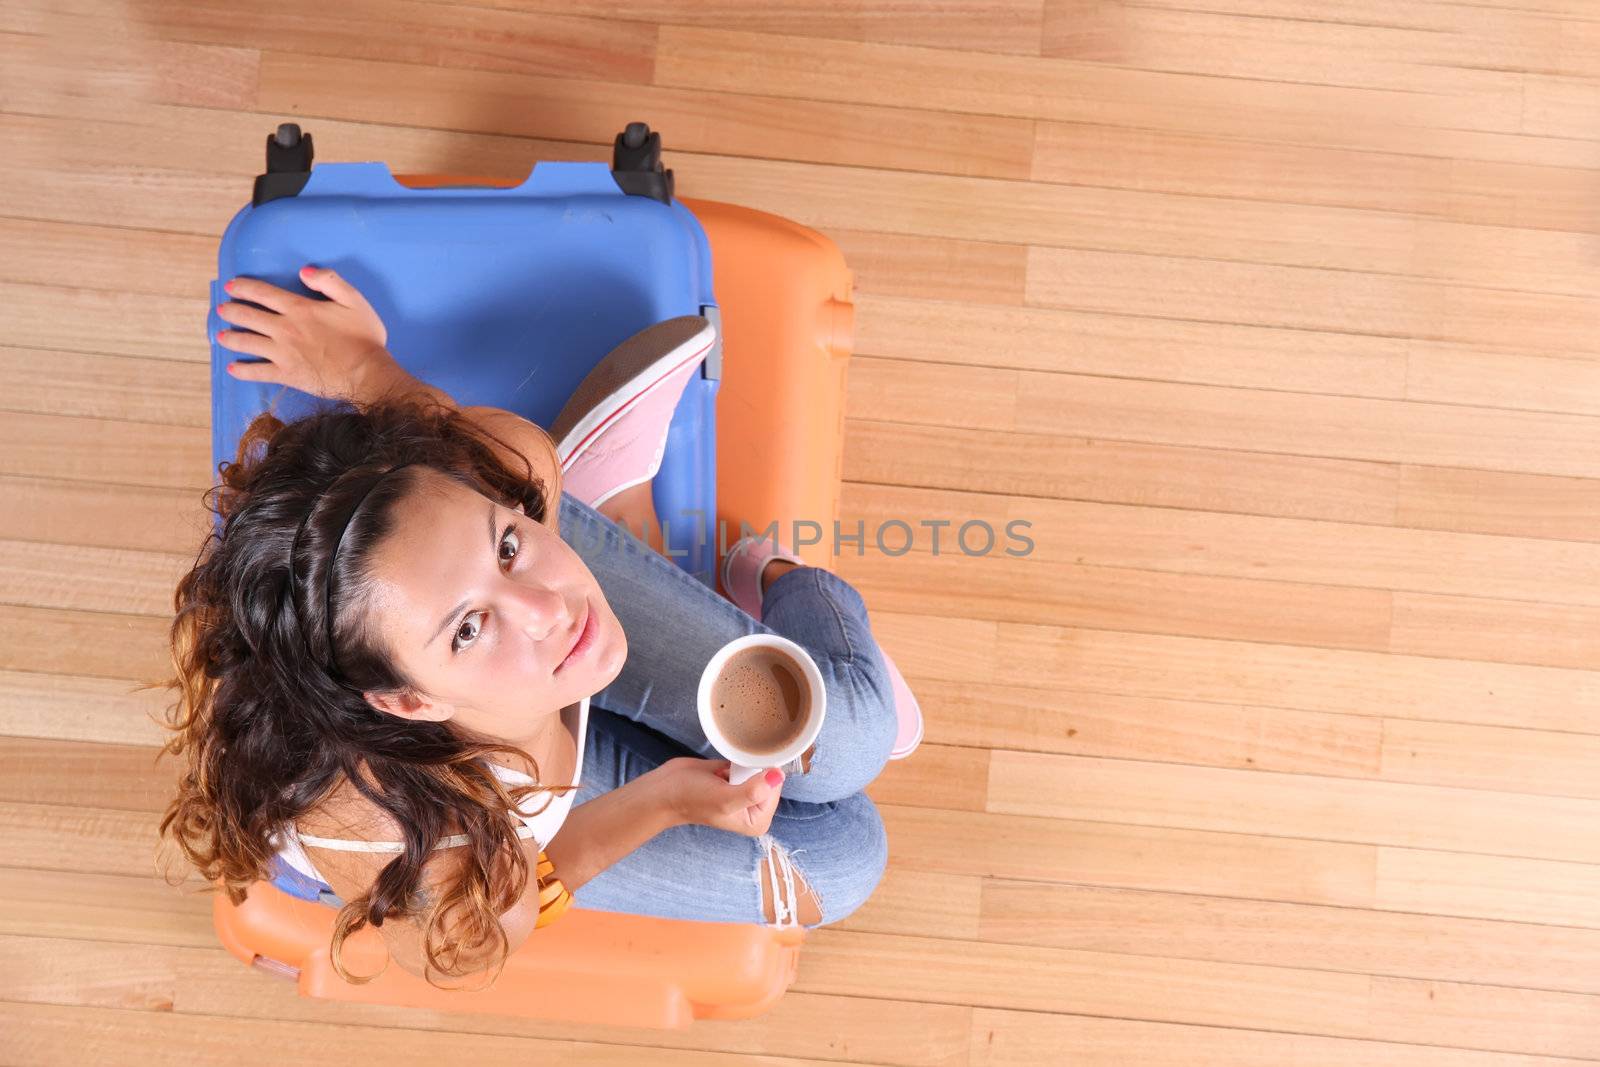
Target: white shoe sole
<point>576,440</point>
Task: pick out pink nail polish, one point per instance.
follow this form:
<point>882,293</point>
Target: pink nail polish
<point>774,777</point>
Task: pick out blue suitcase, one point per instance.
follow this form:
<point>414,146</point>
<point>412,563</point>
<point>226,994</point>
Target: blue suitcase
<point>500,296</point>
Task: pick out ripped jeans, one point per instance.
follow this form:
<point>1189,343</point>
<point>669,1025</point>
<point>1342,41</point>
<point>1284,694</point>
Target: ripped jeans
<point>825,829</point>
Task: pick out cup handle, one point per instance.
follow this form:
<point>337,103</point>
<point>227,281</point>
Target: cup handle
<point>739,774</point>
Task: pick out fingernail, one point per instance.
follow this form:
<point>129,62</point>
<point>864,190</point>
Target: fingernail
<point>228,286</point>
<point>774,776</point>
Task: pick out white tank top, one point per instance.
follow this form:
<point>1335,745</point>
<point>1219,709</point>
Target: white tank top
<point>542,826</point>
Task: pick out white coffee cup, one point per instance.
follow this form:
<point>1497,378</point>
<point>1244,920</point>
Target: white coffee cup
<point>748,764</point>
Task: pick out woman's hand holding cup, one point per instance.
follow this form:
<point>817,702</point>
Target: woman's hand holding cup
<point>698,791</point>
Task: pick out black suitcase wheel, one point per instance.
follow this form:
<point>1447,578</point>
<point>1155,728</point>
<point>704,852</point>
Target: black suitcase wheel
<point>636,163</point>
<point>289,155</point>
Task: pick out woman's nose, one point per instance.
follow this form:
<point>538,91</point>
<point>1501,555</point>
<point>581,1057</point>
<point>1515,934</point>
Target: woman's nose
<point>544,612</point>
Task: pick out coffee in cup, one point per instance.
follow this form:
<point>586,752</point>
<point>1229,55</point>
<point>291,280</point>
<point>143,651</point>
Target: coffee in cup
<point>761,700</point>
<point>761,703</point>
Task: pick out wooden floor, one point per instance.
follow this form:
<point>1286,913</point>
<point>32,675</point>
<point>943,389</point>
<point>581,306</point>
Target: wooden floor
<point>1275,318</point>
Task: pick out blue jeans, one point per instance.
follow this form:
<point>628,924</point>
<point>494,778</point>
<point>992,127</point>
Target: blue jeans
<point>826,828</point>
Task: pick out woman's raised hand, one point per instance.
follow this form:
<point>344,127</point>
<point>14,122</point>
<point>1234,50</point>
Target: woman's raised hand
<point>698,791</point>
<point>330,348</point>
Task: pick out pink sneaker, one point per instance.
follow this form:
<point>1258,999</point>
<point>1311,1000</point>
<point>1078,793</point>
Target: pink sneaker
<point>906,710</point>
<point>612,433</point>
<point>742,565</point>
<point>741,581</point>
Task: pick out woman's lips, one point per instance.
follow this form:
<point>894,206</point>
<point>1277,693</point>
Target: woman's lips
<point>585,640</point>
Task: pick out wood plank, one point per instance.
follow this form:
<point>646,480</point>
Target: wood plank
<point>1059,467</point>
<point>1528,260</point>
<point>1222,417</point>
<point>889,266</point>
<point>1459,374</point>
<point>1128,346</point>
<point>1268,933</point>
<point>1368,556</point>
<point>1138,857</point>
<point>567,109</point>
<point>1486,192</point>
<point>1141,793</point>
<point>1070,721</point>
<point>119,777</point>
<point>1357,299</point>
<point>1066,90</point>
<point>136,978</point>
<point>65,707</point>
<point>949,777</point>
<point>1042,215</point>
<point>1226,44</point>
<point>1487,757</point>
<point>96,450</point>
<point>126,581</point>
<point>1237,672</point>
<point>1505,631</point>
<point>69,839</point>
<point>49,317</point>
<point>68,256</point>
<point>1558,106</point>
<point>1031,978</point>
<point>136,909</point>
<point>1456,883</point>
<point>153,520</point>
<point>92,643</point>
<point>88,385</point>
<point>995,587</point>
<point>86,74</point>
<point>963,25</point>
<point>189,170</point>
<point>53,1035</point>
<point>552,42</point>
<point>1395,431</point>
<point>490,99</point>
<point>1015,1039</point>
<point>1497,502</point>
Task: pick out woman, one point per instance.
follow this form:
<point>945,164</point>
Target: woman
<point>337,703</point>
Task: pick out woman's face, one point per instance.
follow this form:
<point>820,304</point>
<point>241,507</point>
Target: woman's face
<point>480,606</point>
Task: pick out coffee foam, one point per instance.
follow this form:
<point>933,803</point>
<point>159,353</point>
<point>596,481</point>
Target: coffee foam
<point>761,700</point>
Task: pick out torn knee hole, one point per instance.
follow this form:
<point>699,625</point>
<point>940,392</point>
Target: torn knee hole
<point>797,902</point>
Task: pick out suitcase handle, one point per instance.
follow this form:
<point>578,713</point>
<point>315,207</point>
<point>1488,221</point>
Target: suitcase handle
<point>453,181</point>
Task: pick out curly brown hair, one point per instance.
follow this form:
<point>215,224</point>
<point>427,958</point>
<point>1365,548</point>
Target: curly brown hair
<point>273,645</point>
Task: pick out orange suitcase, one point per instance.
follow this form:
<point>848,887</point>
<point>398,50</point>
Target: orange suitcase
<point>785,297</point>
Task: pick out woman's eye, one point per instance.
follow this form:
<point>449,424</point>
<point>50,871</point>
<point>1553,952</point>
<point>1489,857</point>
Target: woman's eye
<point>512,537</point>
<point>516,542</point>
